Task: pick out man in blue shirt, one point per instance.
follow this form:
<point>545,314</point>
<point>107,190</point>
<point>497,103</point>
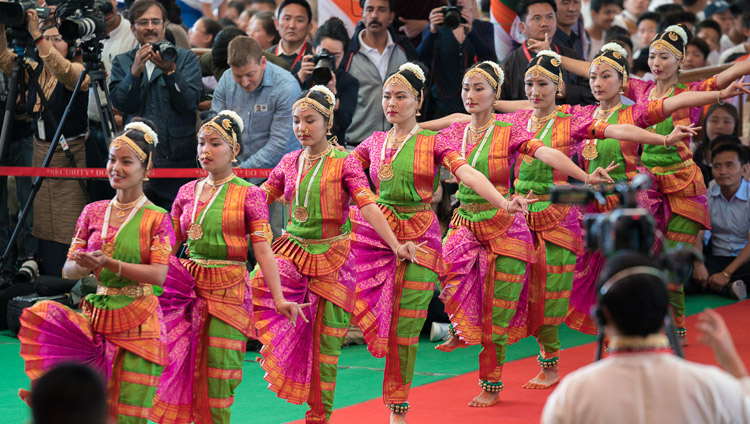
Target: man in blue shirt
<point>726,268</point>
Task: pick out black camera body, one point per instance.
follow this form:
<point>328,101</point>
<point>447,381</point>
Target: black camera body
<point>13,13</point>
<point>83,20</point>
<point>452,15</point>
<point>166,49</point>
<point>325,64</point>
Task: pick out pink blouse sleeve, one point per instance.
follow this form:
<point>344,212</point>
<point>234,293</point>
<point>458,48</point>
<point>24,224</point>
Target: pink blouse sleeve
<point>83,230</point>
<point>362,152</point>
<point>646,114</point>
<point>162,241</point>
<point>177,209</point>
<point>584,127</point>
<point>447,156</point>
<point>638,89</point>
<point>274,185</point>
<point>256,216</point>
<point>355,182</point>
<point>453,135</point>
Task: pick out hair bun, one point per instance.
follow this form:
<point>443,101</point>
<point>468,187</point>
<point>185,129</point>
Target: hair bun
<point>413,68</point>
<point>679,30</point>
<point>550,53</point>
<point>498,71</point>
<point>234,117</point>
<point>326,92</point>
<point>148,133</point>
<point>614,47</point>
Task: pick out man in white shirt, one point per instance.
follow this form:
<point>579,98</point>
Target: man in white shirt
<point>742,48</point>
<point>642,381</point>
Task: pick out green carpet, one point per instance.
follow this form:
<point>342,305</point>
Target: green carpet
<point>360,375</point>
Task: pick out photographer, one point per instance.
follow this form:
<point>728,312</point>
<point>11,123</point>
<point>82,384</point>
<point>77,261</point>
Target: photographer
<point>57,75</point>
<point>144,84</point>
<point>330,43</point>
<point>642,381</point>
<point>453,42</point>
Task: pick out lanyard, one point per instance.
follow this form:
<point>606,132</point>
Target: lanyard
<point>527,53</point>
<point>299,55</point>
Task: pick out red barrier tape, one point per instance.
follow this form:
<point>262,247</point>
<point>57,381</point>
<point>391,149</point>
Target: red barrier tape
<point>22,171</point>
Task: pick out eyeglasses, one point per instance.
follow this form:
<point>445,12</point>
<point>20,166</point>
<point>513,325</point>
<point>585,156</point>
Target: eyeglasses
<point>143,23</point>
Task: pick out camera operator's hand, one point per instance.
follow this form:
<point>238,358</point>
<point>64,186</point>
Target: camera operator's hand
<point>142,56</point>
<point>468,15</point>
<point>306,68</point>
<point>32,22</point>
<point>436,19</point>
<point>166,66</point>
<point>601,175</point>
<point>681,132</point>
<point>521,203</point>
<point>700,273</point>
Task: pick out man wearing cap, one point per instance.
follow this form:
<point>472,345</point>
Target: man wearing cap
<point>723,12</point>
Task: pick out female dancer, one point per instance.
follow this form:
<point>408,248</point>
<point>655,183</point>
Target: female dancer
<point>487,250</point>
<point>683,209</point>
<point>555,228</point>
<point>392,298</point>
<point>126,243</point>
<point>216,215</point>
<point>314,258</point>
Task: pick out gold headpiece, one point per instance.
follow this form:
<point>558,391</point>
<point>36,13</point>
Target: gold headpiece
<point>308,101</point>
<point>223,126</point>
<point>123,139</point>
<point>538,69</point>
<point>660,44</point>
<point>398,78</point>
<point>613,63</point>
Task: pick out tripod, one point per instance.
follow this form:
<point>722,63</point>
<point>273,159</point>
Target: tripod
<point>108,124</point>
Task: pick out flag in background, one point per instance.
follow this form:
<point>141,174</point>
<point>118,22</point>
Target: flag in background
<point>346,10</point>
<point>502,14</point>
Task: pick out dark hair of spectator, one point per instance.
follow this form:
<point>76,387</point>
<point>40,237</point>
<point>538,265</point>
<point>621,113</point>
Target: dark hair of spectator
<point>636,303</point>
<point>596,5</point>
<point>140,140</point>
<point>226,23</point>
<point>728,108</point>
<point>235,127</point>
<point>688,3</point>
<point>334,29</point>
<point>266,20</point>
<point>746,19</point>
<point>243,51</point>
<point>669,8</point>
<point>236,5</point>
<point>641,64</point>
<point>268,2</point>
<point>391,4</point>
<point>211,26</point>
<point>620,36</point>
<point>649,16</point>
<point>708,23</point>
<point>140,7</point>
<point>69,394</point>
<point>732,145</point>
<point>677,18</point>
<point>219,50</point>
<point>302,3</point>
<point>522,9</point>
<point>174,13</point>
<point>701,45</point>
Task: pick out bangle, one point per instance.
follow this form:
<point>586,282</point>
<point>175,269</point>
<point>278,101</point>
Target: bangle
<point>38,40</point>
<point>278,302</point>
<point>665,142</point>
<point>586,180</point>
<point>718,97</point>
<point>398,257</point>
<point>119,268</point>
<point>724,273</point>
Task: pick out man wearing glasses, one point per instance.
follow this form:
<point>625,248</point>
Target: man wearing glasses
<point>143,84</point>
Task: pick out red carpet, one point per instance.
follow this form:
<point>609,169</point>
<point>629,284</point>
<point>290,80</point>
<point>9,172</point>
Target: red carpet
<point>445,401</point>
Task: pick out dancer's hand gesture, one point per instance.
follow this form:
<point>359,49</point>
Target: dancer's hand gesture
<point>521,204</point>
<point>408,251</point>
<point>734,89</point>
<point>681,132</point>
<point>601,175</point>
<point>292,310</point>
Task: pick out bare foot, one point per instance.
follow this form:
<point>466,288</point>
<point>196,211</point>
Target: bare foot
<point>398,418</point>
<point>546,378</point>
<point>485,399</point>
<point>452,343</point>
<point>25,396</point>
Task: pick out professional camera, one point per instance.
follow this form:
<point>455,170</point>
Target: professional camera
<point>325,63</point>
<point>83,20</point>
<point>626,228</point>
<point>166,49</point>
<point>452,15</point>
<point>13,13</point>
<point>28,272</point>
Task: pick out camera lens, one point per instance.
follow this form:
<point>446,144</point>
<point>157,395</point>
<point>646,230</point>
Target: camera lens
<point>28,272</point>
<point>167,51</point>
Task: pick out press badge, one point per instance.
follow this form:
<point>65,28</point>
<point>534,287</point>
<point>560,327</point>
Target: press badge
<point>261,108</point>
<point>40,129</point>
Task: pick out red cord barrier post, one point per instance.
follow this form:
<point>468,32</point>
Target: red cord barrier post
<point>87,173</point>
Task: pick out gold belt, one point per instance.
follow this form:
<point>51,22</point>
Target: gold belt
<point>208,262</point>
<point>306,242</point>
<point>672,168</point>
<point>540,197</point>
<point>477,207</point>
<point>412,209</point>
<point>130,290</point>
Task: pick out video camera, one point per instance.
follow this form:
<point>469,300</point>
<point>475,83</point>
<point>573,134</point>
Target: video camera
<point>325,63</point>
<point>13,13</point>
<point>83,20</point>
<point>452,15</point>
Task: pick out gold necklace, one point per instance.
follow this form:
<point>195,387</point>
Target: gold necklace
<point>315,157</point>
<point>216,184</point>
<point>539,121</point>
<point>483,128</point>
<point>122,207</point>
<point>652,94</point>
<point>606,113</point>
